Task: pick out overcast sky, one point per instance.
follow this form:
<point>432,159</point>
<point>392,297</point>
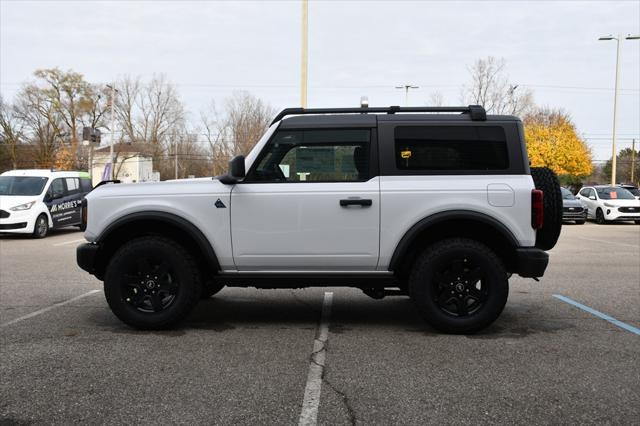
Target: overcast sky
<point>211,48</point>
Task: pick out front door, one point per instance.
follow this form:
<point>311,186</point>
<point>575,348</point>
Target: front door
<point>310,202</point>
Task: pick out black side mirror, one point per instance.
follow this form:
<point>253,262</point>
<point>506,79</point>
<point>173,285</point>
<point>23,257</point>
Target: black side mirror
<point>236,167</point>
<point>236,171</point>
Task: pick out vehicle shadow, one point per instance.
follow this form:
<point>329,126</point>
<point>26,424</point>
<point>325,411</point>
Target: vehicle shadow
<point>353,314</point>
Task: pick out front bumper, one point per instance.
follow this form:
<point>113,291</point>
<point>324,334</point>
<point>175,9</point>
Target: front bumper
<point>531,262</point>
<point>18,223</point>
<point>86,257</point>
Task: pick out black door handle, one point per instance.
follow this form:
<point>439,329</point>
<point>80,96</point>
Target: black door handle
<point>356,202</point>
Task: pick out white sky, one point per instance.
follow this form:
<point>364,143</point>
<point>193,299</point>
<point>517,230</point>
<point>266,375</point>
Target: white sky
<point>210,48</point>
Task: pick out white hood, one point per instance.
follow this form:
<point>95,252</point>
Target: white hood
<point>8,201</point>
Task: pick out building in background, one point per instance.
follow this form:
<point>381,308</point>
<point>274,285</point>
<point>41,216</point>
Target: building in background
<point>133,163</point>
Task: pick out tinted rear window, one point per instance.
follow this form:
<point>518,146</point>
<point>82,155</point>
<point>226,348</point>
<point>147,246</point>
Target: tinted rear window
<point>451,148</point>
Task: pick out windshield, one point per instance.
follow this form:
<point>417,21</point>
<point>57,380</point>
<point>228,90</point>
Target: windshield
<point>22,185</point>
<point>634,191</point>
<point>614,194</point>
<point>566,194</point>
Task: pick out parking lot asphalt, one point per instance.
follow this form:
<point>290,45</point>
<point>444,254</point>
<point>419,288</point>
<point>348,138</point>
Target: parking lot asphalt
<point>243,356</point>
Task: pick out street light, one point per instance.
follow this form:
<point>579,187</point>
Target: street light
<point>406,88</point>
<point>615,99</point>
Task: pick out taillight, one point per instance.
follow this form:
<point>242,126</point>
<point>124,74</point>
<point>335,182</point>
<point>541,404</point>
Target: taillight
<point>537,209</point>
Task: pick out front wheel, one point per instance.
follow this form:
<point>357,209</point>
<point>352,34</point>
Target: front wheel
<point>600,220</point>
<point>459,286</point>
<point>152,283</point>
<point>41,227</point>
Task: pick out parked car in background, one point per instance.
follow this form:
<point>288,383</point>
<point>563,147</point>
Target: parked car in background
<point>609,203</point>
<point>35,201</point>
<point>632,189</point>
<point>572,209</point>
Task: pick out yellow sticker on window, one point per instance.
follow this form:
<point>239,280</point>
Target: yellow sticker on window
<point>405,154</point>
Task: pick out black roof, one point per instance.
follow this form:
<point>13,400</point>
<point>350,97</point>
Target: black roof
<point>368,117</point>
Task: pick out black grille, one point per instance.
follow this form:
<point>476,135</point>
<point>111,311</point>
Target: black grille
<point>4,214</point>
<point>573,209</point>
<point>629,209</point>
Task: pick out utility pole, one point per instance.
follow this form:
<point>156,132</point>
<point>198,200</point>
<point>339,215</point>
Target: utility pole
<point>305,53</point>
<point>633,159</point>
<point>406,88</point>
<point>615,100</point>
<point>112,127</point>
<point>176,154</point>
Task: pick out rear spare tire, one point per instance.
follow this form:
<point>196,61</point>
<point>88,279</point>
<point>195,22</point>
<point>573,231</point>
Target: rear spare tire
<point>547,181</point>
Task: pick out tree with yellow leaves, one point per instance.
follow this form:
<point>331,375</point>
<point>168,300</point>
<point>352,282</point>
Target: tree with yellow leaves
<point>552,141</point>
<point>64,159</point>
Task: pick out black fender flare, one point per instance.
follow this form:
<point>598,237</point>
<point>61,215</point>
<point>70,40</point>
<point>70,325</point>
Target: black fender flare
<point>159,216</point>
<point>451,215</point>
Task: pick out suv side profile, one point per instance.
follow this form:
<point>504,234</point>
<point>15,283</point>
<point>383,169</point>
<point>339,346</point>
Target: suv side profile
<point>440,207</point>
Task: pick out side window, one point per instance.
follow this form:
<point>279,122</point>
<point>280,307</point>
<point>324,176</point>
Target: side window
<point>440,148</point>
<point>57,189</point>
<point>314,156</point>
<point>85,185</point>
<point>584,192</point>
<point>73,186</point>
<point>592,193</point>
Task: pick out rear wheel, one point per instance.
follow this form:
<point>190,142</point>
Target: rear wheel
<point>152,283</point>
<point>600,220</point>
<point>41,227</point>
<point>459,286</point>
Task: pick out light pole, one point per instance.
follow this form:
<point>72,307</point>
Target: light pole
<point>304,53</point>
<point>113,119</point>
<point>406,88</point>
<point>615,100</point>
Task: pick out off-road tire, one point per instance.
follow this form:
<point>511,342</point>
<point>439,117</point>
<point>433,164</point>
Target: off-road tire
<point>41,227</point>
<point>180,263</point>
<point>425,284</point>
<point>547,181</point>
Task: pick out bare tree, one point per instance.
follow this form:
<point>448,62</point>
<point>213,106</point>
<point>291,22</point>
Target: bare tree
<point>491,88</point>
<point>11,132</point>
<point>436,99</point>
<point>246,120</point>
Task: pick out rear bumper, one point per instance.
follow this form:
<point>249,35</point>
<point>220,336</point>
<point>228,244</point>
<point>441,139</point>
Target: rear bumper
<point>531,262</point>
<point>86,256</point>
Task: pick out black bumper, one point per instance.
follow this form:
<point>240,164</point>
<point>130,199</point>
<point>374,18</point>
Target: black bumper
<point>531,262</point>
<point>86,256</point>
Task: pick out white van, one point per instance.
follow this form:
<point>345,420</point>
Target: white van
<point>35,201</point>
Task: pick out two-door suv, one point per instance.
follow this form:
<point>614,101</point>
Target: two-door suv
<point>437,203</point>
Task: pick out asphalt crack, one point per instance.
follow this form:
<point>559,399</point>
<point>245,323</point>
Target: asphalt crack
<point>345,400</point>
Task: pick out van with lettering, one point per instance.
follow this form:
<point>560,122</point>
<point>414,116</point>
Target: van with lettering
<point>36,201</point>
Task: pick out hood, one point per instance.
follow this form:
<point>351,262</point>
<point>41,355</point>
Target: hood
<point>571,203</point>
<point>8,201</point>
<point>623,203</point>
<point>164,188</point>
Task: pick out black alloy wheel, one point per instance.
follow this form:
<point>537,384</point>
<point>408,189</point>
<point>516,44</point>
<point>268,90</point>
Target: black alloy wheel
<point>600,220</point>
<point>150,285</point>
<point>457,287</point>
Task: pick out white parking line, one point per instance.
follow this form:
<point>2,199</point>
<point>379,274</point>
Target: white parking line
<point>48,308</point>
<point>69,242</point>
<point>311,402</point>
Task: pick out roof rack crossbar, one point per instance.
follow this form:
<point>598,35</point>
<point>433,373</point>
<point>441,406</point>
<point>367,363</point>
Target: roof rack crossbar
<point>476,112</point>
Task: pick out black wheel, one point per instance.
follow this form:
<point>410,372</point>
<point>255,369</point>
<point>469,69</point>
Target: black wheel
<point>579,222</point>
<point>547,181</point>
<point>41,227</point>
<point>637,222</point>
<point>209,289</point>
<point>600,220</point>
<point>82,227</point>
<point>459,286</point>
<point>152,283</point>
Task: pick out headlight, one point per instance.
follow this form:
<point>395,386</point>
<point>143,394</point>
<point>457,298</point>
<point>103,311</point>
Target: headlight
<point>609,205</point>
<point>25,206</point>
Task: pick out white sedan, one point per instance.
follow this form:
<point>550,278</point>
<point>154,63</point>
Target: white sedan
<point>609,203</point>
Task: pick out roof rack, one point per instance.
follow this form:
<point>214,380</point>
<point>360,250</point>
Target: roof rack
<point>476,112</point>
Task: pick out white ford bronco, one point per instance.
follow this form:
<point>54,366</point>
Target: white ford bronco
<point>441,207</point>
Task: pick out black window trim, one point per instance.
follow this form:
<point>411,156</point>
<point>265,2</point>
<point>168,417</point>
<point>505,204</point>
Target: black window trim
<point>388,158</point>
<point>373,155</point>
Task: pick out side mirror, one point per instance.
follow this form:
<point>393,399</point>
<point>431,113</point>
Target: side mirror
<point>592,197</point>
<point>236,167</point>
<point>236,171</point>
